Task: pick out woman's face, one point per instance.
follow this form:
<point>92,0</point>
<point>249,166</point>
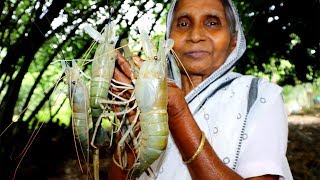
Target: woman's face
<point>201,35</point>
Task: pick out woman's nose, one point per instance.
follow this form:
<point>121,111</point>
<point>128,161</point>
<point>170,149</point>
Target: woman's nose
<point>197,34</point>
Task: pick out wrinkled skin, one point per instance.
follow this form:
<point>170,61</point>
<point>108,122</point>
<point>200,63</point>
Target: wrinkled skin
<point>202,39</point>
<point>203,42</point>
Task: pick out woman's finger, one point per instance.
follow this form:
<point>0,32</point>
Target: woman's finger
<point>123,64</point>
<point>120,76</point>
<point>137,61</point>
<point>176,100</point>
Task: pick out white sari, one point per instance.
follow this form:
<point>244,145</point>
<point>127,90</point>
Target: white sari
<point>243,117</point>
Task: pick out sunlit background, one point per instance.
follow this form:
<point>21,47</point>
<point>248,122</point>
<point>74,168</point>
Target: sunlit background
<point>35,36</point>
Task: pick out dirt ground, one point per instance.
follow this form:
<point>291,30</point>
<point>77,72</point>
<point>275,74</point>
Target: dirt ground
<point>302,153</point>
<point>304,146</point>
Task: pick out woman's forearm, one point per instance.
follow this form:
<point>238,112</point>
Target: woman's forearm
<point>187,136</point>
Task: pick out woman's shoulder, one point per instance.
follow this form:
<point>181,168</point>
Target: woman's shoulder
<point>263,85</point>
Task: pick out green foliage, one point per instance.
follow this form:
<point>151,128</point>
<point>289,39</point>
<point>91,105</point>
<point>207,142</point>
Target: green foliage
<point>282,46</point>
<point>274,31</point>
<point>276,46</point>
<point>275,71</point>
<point>301,97</point>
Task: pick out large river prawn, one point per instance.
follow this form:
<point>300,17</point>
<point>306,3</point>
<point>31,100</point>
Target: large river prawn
<point>150,93</point>
<point>96,124</point>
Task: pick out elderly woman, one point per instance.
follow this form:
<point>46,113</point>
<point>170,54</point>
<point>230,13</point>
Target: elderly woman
<point>223,125</point>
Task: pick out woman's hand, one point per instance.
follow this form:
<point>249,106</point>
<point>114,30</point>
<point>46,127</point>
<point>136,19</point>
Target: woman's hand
<point>176,100</point>
<point>122,73</point>
<point>183,129</point>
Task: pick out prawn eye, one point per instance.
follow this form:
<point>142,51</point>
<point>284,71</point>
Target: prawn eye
<point>112,42</point>
<point>155,57</point>
<point>73,82</point>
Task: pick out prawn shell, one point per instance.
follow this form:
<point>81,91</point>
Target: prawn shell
<point>79,101</point>
<point>151,89</point>
<point>102,72</point>
<point>155,130</point>
<point>151,93</point>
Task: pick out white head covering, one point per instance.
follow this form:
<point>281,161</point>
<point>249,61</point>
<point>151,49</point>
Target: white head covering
<point>230,61</point>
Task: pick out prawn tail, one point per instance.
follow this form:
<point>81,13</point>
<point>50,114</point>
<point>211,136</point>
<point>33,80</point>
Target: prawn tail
<point>155,131</point>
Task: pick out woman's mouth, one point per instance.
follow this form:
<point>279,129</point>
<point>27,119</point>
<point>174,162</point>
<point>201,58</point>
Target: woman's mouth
<point>196,54</point>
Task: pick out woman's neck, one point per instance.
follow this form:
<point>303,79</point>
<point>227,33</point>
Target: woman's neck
<point>189,84</point>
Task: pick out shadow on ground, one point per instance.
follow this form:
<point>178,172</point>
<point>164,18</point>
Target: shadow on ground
<point>304,146</point>
<point>52,156</point>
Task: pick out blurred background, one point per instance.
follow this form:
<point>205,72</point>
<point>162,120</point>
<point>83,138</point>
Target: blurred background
<point>283,40</point>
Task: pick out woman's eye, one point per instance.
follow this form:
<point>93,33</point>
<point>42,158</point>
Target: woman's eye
<point>183,24</point>
<point>211,23</point>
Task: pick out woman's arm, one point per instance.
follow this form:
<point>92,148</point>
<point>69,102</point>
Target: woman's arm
<point>187,136</point>
<point>183,129</point>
